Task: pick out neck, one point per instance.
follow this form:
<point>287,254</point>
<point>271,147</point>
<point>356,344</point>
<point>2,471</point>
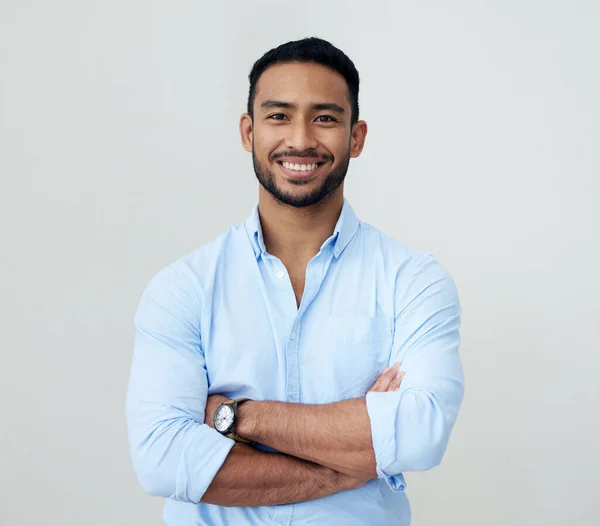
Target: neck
<point>298,232</point>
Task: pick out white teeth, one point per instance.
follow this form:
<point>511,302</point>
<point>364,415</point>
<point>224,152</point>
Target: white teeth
<point>300,167</point>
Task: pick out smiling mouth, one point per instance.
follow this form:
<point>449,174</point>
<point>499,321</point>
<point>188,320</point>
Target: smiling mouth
<point>300,170</point>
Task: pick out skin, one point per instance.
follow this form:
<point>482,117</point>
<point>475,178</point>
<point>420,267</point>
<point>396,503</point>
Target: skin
<point>249,477</point>
<point>294,231</point>
<point>301,114</point>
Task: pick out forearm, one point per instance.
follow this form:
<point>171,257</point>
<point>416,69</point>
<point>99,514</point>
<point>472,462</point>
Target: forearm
<point>249,477</point>
<point>336,435</point>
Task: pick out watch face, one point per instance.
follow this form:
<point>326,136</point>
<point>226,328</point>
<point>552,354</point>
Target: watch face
<point>223,418</point>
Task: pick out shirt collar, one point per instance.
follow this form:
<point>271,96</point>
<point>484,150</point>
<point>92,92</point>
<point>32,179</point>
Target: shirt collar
<point>344,231</point>
<point>252,225</point>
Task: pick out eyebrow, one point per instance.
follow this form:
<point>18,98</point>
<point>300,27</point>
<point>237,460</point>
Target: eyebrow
<point>319,106</point>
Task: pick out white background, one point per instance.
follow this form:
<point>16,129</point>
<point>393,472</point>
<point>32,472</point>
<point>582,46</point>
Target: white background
<point>119,153</point>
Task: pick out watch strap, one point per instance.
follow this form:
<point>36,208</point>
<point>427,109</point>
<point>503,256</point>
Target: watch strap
<point>238,438</point>
<point>232,434</point>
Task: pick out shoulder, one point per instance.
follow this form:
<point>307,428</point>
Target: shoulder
<point>395,254</point>
<point>190,274</point>
<point>409,268</point>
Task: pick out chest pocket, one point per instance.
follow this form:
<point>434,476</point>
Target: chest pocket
<point>354,352</point>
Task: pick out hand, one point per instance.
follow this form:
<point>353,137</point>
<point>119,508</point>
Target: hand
<point>389,380</point>
<point>212,402</point>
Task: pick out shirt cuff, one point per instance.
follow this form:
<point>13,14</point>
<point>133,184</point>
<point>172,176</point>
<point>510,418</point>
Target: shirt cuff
<point>201,459</point>
<point>382,409</point>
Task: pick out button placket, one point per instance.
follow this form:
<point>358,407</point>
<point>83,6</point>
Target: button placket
<point>311,287</point>
<point>293,372</point>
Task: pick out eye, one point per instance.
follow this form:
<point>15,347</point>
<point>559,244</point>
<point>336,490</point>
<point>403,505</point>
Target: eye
<point>277,116</point>
<point>325,118</point>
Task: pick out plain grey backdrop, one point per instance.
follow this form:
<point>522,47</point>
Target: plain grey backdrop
<point>119,153</point>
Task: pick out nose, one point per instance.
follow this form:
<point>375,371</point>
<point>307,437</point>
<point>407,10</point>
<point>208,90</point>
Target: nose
<point>300,136</point>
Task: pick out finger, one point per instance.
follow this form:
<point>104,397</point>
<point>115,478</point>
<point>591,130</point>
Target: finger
<point>382,384</point>
<point>394,371</point>
<point>377,383</point>
<point>386,380</point>
<point>397,381</point>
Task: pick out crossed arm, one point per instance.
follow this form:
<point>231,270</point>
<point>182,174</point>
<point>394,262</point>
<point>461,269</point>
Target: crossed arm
<point>327,448</point>
<point>249,477</point>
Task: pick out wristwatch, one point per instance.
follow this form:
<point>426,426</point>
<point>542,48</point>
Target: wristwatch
<point>225,419</point>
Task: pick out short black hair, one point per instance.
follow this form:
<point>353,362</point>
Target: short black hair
<point>314,50</point>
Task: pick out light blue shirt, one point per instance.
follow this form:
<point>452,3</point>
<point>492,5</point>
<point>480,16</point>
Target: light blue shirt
<point>223,319</point>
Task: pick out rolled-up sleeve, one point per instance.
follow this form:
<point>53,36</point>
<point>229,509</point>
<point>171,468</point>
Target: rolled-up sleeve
<point>411,427</point>
<point>175,455</point>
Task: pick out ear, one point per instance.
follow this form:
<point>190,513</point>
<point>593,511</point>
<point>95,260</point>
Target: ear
<point>246,131</point>
<point>357,138</point>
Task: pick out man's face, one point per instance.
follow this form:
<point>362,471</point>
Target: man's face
<point>301,138</point>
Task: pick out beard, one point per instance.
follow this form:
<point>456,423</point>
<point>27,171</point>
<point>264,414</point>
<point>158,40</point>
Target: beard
<point>331,182</point>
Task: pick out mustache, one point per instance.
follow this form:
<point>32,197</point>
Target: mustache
<point>305,153</point>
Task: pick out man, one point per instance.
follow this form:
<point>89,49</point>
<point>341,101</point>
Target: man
<point>292,370</point>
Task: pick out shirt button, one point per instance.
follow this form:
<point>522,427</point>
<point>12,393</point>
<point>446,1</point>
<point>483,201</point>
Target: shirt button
<point>280,274</point>
<point>293,335</point>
